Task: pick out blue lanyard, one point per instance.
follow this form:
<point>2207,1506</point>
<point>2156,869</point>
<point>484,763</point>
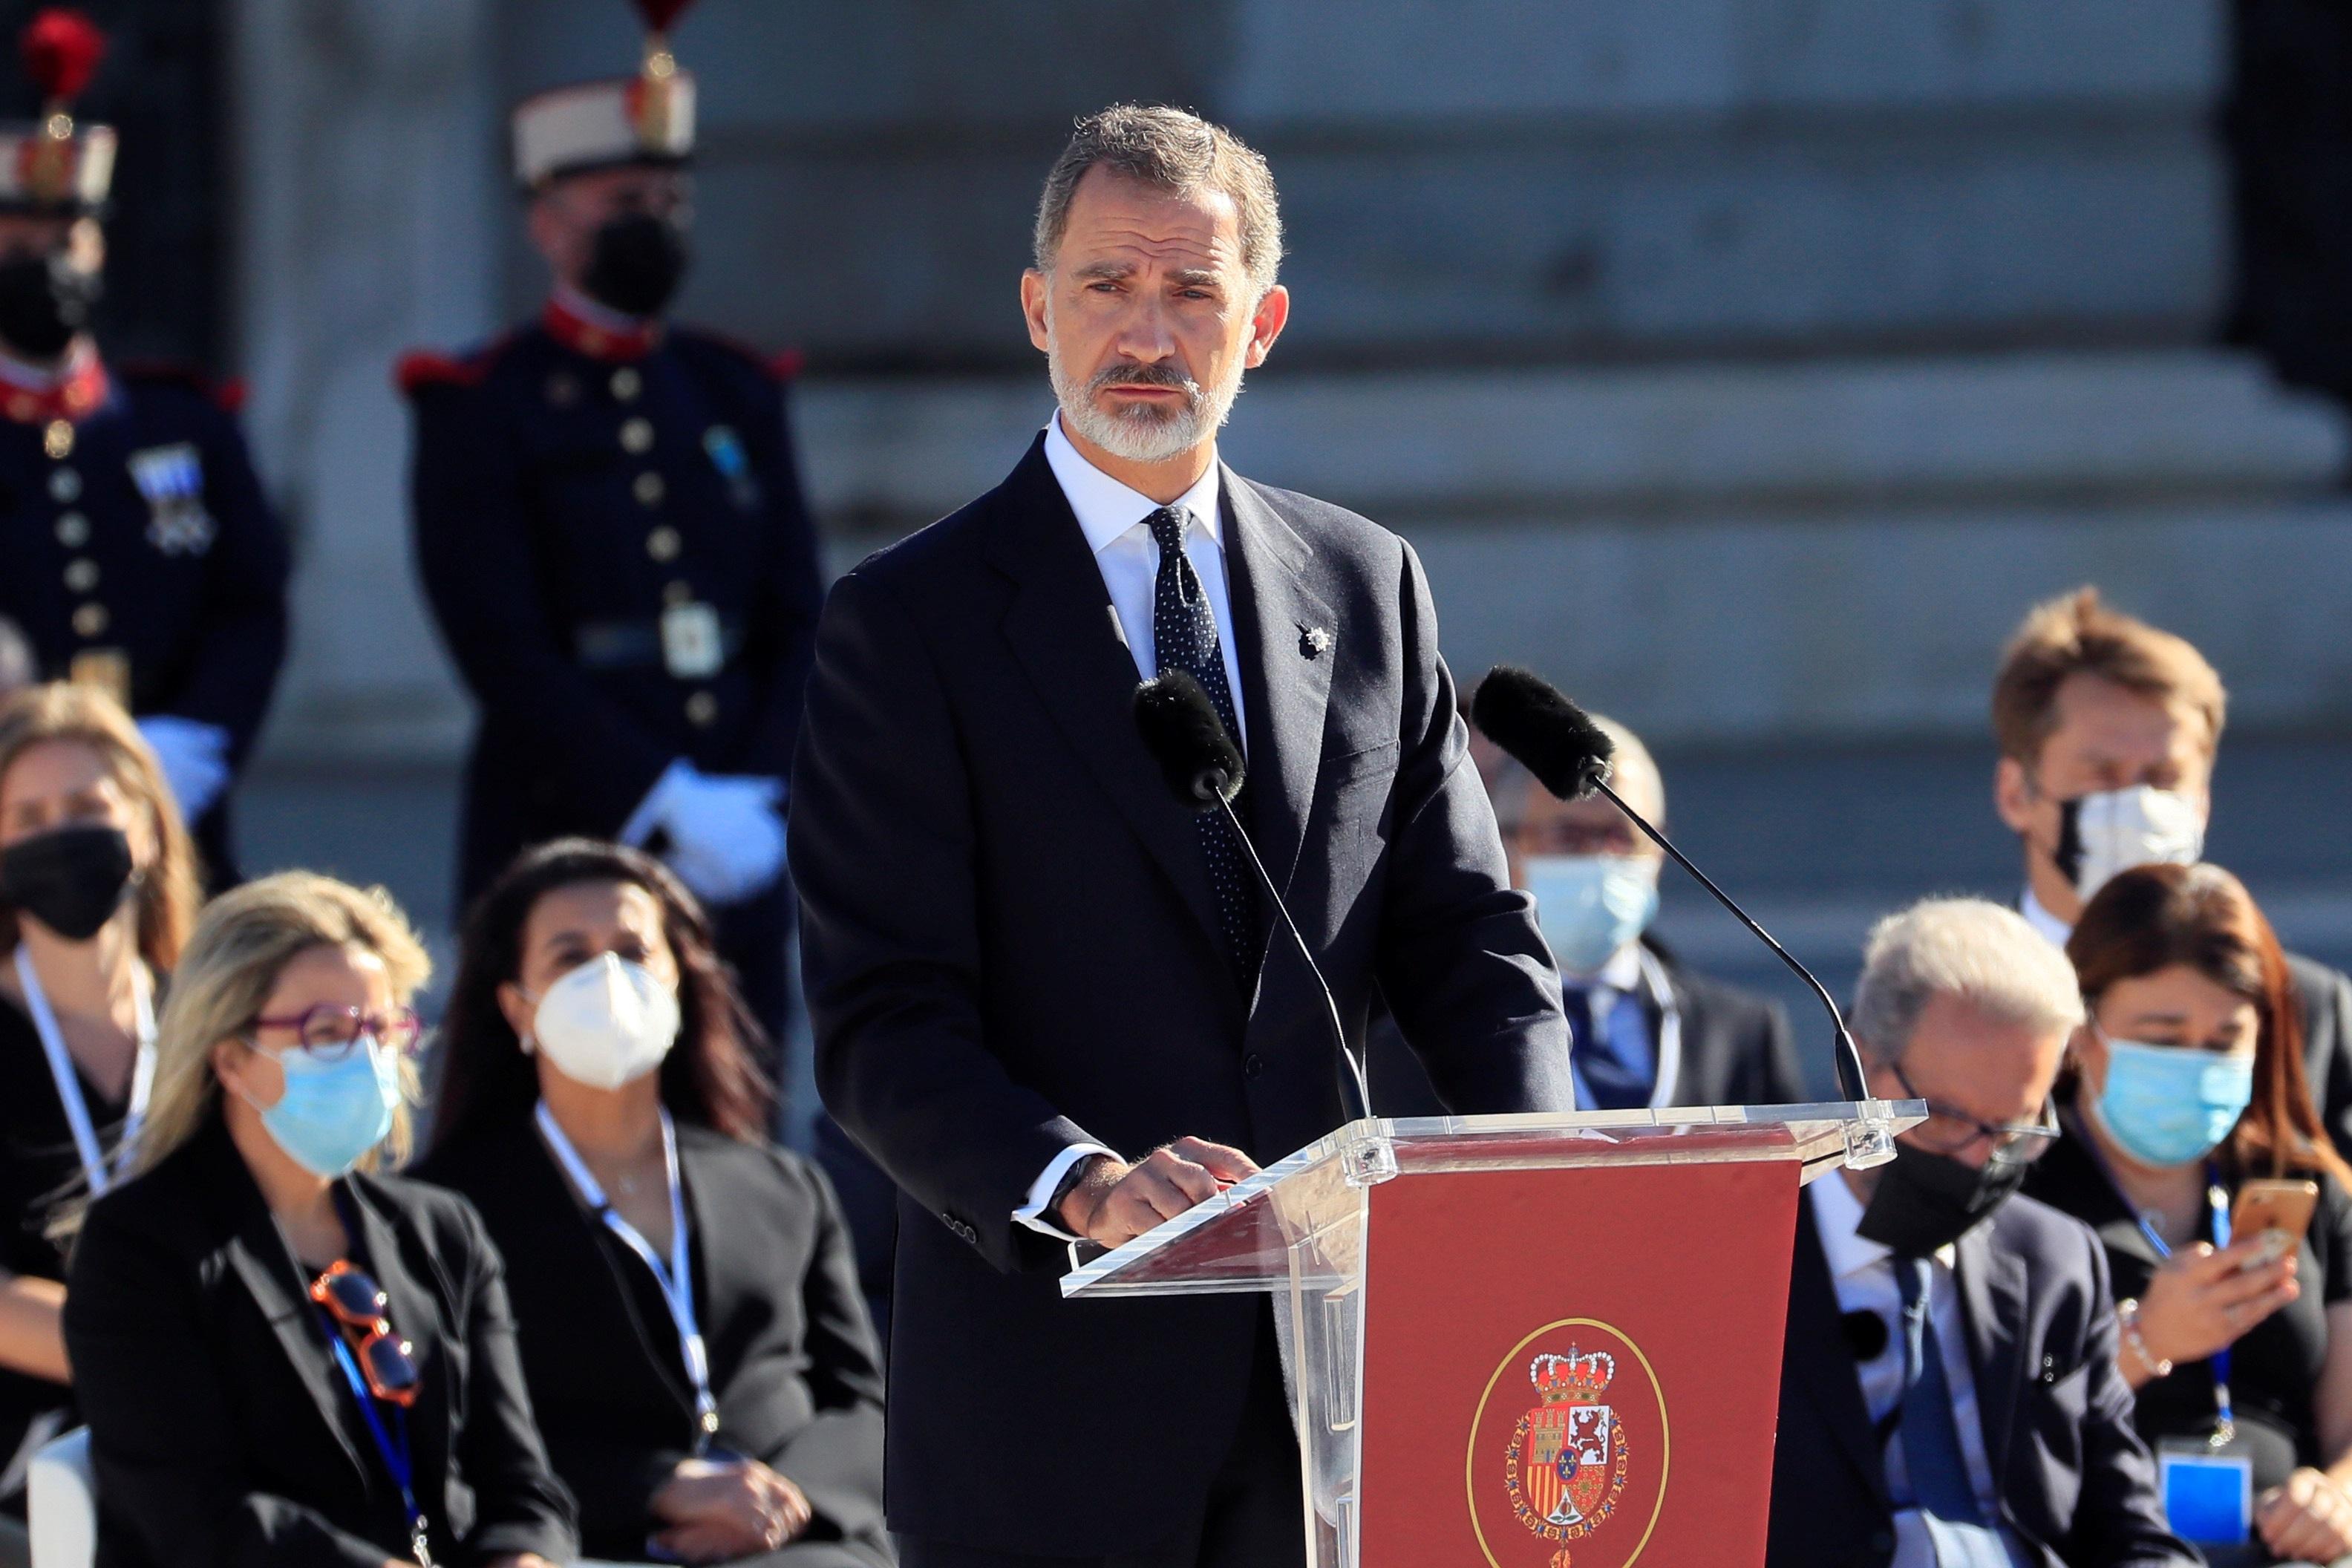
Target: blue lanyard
<point>397,1460</point>
<point>2225,1424</point>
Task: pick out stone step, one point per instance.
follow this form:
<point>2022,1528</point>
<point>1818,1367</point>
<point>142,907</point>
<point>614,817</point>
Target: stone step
<point>1820,436</point>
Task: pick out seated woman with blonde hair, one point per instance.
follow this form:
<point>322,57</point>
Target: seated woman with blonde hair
<point>284,1356</point>
<point>98,890</point>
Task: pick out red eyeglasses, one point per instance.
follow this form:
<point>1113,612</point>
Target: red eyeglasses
<point>357,1302</point>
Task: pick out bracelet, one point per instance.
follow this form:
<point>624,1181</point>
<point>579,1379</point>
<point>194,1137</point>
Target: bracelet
<point>2127,1314</point>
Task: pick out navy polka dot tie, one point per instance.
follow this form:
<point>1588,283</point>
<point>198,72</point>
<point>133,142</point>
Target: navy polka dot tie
<point>1184,636</point>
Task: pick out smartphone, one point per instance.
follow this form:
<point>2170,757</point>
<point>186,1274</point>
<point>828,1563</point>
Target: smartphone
<point>2268,1203</point>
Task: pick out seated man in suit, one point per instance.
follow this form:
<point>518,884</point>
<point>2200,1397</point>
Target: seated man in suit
<point>2108,729</point>
<point>1646,1030</point>
<point>1948,1388</point>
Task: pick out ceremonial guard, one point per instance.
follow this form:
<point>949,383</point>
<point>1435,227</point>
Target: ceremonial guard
<point>610,527</point>
<point>136,550</point>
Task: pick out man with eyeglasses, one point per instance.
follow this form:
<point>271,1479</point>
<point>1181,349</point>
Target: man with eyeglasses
<point>1948,1388</point>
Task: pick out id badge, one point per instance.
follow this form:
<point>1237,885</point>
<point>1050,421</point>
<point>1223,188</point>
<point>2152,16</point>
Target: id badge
<point>2208,1498</point>
<point>691,649</point>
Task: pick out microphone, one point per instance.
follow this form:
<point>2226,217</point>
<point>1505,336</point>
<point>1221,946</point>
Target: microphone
<point>1203,771</point>
<point>1569,755</point>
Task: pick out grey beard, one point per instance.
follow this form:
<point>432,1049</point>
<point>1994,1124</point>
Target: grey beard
<point>1144,434</point>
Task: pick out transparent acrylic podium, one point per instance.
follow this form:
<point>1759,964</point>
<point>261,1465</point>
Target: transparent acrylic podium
<point>1302,1230</point>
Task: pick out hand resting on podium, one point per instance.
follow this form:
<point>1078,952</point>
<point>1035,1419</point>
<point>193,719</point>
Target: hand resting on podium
<point>1115,1202</point>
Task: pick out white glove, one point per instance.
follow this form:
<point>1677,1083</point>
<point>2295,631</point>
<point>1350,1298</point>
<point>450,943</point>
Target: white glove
<point>194,759</point>
<point>726,840</point>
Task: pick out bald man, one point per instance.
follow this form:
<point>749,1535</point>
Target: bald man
<point>1648,1032</point>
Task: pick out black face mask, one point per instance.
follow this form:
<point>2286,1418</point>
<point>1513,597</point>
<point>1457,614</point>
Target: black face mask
<point>1925,1201</point>
<point>43,302</point>
<point>636,264</point>
<point>71,880</point>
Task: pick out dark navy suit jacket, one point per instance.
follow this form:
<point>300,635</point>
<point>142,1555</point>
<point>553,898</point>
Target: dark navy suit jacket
<point>1010,948</point>
<point>2076,1484</point>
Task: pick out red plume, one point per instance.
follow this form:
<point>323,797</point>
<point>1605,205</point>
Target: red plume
<point>62,48</point>
<point>660,14</point>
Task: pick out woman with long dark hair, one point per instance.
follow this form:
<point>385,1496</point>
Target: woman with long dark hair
<point>692,1328</point>
<point>2186,1084</point>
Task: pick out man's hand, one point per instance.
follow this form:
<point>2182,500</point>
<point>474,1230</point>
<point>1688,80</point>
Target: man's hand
<point>1115,1202</point>
<point>2200,1300</point>
<point>718,1511</point>
<point>2309,1520</point>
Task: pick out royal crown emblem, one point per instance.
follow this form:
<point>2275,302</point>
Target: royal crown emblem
<point>1568,1460</point>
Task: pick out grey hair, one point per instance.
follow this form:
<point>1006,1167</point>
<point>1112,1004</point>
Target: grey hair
<point>1171,151</point>
<point>1966,948</point>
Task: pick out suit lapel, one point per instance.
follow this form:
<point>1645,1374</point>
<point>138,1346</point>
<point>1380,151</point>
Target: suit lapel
<point>1817,1359</point>
<point>1059,627</point>
<point>258,1254</point>
<point>1993,1299</point>
<point>414,1316</point>
<point>1286,692</point>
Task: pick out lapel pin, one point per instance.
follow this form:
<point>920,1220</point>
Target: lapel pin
<point>1314,642</point>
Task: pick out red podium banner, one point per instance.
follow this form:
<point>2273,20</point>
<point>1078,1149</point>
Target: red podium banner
<point>1599,1391</point>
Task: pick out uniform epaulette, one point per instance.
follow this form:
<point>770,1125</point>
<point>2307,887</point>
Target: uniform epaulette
<point>780,366</point>
<point>228,395</point>
<point>785,365</point>
<point>421,368</point>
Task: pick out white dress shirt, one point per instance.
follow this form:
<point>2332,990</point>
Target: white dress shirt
<point>1111,516</point>
<point>2037,914</point>
<point>1863,1274</point>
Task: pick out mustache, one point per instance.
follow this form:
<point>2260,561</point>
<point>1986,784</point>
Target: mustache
<point>1161,375</point>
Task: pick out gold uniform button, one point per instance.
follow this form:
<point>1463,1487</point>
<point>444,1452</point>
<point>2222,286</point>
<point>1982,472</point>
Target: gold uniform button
<point>90,621</point>
<point>648,489</point>
<point>663,544</point>
<point>64,486</point>
<point>73,530</point>
<point>637,435</point>
<point>627,384</point>
<point>678,594</point>
<point>703,710</point>
<point>81,576</point>
<point>58,439</point>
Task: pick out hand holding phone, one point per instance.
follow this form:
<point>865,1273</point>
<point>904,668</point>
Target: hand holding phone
<point>2269,1207</point>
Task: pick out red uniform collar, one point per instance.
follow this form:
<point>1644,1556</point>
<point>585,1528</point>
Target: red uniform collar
<point>72,391</point>
<point>608,337</point>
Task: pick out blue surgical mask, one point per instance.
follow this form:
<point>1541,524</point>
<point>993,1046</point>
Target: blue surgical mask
<point>1592,905</point>
<point>334,1111</point>
<point>2167,1105</point>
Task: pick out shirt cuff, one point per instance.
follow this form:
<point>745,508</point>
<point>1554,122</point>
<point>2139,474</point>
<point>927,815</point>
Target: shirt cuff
<point>657,803</point>
<point>1041,1191</point>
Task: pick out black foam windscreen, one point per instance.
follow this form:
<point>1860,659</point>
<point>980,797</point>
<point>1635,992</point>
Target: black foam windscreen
<point>1550,736</point>
<point>1181,729</point>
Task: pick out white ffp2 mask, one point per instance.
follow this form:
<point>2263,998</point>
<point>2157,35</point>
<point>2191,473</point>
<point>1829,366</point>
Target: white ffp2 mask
<point>2114,830</point>
<point>607,1022</point>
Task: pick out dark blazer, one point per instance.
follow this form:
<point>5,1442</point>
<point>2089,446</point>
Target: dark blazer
<point>1010,950</point>
<point>2076,1483</point>
<point>221,1427</point>
<point>2326,1043</point>
<point>549,545</point>
<point>1737,1049</point>
<point>792,1359</point>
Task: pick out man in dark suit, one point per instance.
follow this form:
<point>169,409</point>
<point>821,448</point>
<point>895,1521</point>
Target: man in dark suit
<point>1948,1387</point>
<point>2108,729</point>
<point>1043,992</point>
<point>1647,1031</point>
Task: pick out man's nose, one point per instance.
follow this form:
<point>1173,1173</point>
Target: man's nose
<point>1144,336</point>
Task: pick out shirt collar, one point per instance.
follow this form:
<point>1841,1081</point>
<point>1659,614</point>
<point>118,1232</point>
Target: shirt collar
<point>1106,509</point>
<point>2037,914</point>
<point>31,393</point>
<point>1836,1213</point>
<point>1622,973</point>
<point>585,327</point>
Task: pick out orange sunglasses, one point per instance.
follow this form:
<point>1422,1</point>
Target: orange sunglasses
<point>357,1302</point>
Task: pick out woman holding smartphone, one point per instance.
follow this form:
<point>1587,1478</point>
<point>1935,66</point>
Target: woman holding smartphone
<point>2192,1148</point>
